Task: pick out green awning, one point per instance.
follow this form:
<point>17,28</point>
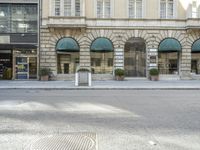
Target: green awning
<point>196,46</point>
<point>169,45</point>
<point>67,45</point>
<point>101,45</point>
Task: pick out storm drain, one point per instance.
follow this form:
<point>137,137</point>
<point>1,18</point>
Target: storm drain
<point>80,141</point>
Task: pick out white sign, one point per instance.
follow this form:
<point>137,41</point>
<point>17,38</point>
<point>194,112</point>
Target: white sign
<point>152,65</point>
<point>119,57</point>
<point>118,53</point>
<point>118,50</point>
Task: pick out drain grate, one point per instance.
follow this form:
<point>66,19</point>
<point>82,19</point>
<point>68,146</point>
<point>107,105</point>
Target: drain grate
<point>73,141</point>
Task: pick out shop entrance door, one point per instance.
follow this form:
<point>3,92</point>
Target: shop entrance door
<point>32,67</point>
<point>135,58</point>
<point>26,67</point>
<point>22,70</point>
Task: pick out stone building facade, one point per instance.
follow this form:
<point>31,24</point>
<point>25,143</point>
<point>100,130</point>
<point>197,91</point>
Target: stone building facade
<point>141,38</point>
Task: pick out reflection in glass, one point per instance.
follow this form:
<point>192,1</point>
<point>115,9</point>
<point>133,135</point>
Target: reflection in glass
<point>102,62</point>
<point>195,64</point>
<point>168,63</point>
<point>67,63</point>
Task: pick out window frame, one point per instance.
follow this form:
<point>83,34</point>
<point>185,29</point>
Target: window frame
<point>104,15</point>
<point>135,13</point>
<point>167,2</point>
<point>65,13</point>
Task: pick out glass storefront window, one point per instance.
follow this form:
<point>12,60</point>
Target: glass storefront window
<point>67,63</point>
<point>102,62</point>
<point>18,18</point>
<point>195,64</point>
<point>4,18</point>
<point>168,63</point>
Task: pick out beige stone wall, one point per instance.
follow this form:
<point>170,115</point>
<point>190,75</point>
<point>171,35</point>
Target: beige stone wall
<point>49,38</point>
<point>120,8</point>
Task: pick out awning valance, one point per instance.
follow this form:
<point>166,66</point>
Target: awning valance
<point>196,46</point>
<point>101,45</point>
<point>169,45</point>
<point>67,45</point>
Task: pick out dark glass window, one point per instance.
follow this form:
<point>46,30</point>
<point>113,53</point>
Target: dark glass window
<point>4,18</point>
<point>18,18</point>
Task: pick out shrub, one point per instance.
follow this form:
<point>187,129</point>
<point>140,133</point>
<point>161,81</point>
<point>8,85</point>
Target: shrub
<point>45,71</point>
<point>119,72</point>
<point>83,70</point>
<point>153,72</point>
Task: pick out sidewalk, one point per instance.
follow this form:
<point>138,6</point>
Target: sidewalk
<point>104,85</point>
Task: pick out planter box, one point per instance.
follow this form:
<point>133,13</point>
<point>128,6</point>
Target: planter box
<point>44,78</point>
<point>119,78</point>
<point>154,78</point>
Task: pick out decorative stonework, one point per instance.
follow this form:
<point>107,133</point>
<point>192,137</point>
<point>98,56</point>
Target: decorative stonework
<point>84,37</point>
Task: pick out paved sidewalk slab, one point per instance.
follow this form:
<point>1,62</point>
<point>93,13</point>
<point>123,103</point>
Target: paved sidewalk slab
<point>102,85</point>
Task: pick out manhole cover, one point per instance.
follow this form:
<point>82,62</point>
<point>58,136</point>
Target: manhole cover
<point>65,142</point>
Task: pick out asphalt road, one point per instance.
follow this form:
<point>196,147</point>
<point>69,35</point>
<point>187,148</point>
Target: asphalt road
<point>122,120</point>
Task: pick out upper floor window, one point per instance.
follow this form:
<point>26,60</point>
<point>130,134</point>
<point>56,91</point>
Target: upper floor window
<point>166,9</point>
<point>103,9</point>
<point>195,11</point>
<point>18,18</point>
<point>135,8</point>
<point>67,7</point>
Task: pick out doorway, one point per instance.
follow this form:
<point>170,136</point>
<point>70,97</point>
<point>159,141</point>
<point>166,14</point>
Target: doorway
<point>135,58</point>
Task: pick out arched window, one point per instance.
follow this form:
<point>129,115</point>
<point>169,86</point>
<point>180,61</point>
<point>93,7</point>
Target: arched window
<point>168,56</point>
<point>195,63</point>
<point>67,55</point>
<point>102,56</point>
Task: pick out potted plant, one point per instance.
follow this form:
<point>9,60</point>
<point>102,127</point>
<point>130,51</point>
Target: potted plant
<point>44,74</point>
<point>154,74</point>
<point>119,74</point>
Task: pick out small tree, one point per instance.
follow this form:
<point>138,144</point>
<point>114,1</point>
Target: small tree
<point>119,74</point>
<point>154,74</point>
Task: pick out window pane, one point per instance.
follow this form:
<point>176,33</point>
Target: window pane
<point>102,62</point>
<point>139,9</point>
<point>195,64</point>
<point>170,10</point>
<point>99,9</point>
<point>57,7</point>
<point>163,9</point>
<point>4,18</point>
<point>168,63</point>
<point>67,63</point>
<point>131,8</point>
<point>67,7</point>
<point>24,18</point>
<point>107,8</point>
<point>77,8</point>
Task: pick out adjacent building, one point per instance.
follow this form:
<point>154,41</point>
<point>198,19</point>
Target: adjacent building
<point>19,39</point>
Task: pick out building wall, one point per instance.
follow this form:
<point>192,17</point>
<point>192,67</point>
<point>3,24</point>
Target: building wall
<point>119,28</point>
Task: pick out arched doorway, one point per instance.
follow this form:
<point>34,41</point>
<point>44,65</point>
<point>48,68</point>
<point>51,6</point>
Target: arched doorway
<point>135,57</point>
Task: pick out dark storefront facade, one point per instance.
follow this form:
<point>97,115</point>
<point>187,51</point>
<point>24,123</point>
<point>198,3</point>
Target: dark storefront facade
<point>19,40</point>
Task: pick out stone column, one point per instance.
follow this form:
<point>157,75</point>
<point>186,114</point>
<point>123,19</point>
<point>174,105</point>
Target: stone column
<point>84,56</point>
<point>185,65</point>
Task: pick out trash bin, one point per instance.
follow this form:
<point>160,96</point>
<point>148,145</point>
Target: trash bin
<point>83,77</point>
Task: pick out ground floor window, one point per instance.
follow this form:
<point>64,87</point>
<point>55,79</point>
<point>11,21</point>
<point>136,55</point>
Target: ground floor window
<point>168,62</point>
<point>102,62</point>
<point>25,62</point>
<point>67,63</point>
<point>195,64</point>
<point>5,64</point>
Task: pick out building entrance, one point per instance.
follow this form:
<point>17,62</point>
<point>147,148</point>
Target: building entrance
<point>5,64</point>
<point>135,58</point>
